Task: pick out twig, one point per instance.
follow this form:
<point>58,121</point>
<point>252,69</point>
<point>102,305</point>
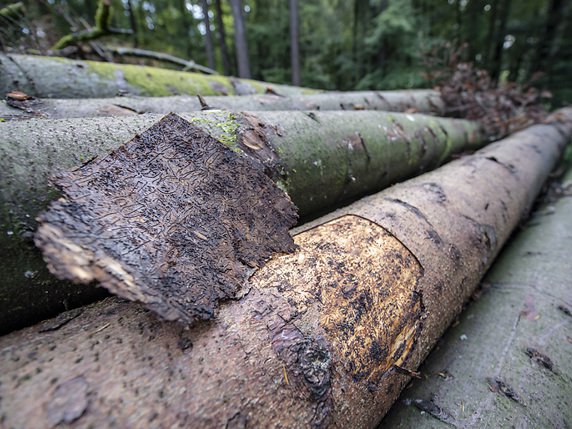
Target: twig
<point>102,28</point>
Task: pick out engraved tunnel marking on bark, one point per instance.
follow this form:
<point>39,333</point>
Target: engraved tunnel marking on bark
<point>430,232</point>
<point>364,284</point>
<point>507,166</point>
<point>173,219</point>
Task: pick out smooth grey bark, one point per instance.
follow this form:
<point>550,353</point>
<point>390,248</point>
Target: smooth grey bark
<point>294,42</point>
<point>209,45</point>
<point>328,158</point>
<point>133,23</point>
<point>241,45</point>
<point>422,101</point>
<point>53,77</point>
<point>517,330</point>
<point>305,345</point>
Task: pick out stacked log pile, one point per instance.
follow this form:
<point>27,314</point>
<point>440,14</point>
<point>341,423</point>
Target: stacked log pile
<point>225,319</point>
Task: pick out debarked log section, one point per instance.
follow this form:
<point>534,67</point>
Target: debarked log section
<point>54,77</point>
<point>319,158</point>
<point>523,319</point>
<point>419,101</point>
<point>322,337</point>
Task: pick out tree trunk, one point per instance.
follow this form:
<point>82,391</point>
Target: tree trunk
<point>543,58</point>
<point>222,38</point>
<point>42,77</point>
<point>240,39</point>
<point>491,35</point>
<point>294,43</point>
<point>498,47</point>
<point>133,23</point>
<point>188,24</point>
<point>328,158</point>
<point>423,101</point>
<point>522,320</point>
<point>327,336</point>
<point>208,35</point>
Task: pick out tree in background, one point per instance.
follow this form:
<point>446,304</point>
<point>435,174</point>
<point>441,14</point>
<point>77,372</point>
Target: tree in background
<point>342,44</point>
<point>208,35</point>
<point>294,44</point>
<point>222,37</point>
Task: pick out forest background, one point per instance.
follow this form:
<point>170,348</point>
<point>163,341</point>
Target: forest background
<point>327,44</point>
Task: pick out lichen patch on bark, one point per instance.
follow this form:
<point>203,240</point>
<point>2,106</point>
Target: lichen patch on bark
<point>173,219</point>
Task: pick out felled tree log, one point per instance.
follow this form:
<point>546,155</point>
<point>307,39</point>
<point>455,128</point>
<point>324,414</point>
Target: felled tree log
<point>327,336</point>
<point>53,77</point>
<point>326,157</point>
<point>421,101</point>
<point>523,319</point>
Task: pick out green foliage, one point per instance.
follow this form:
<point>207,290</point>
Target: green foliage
<point>344,44</point>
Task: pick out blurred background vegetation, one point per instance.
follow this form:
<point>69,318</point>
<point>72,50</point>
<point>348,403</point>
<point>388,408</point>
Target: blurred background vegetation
<point>343,44</point>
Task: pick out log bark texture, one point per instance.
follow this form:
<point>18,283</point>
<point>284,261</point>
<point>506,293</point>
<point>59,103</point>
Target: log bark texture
<point>517,332</point>
<point>325,337</point>
<point>419,101</point>
<point>52,77</point>
<point>326,157</point>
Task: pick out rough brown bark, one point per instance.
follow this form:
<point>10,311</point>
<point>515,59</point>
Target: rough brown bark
<point>42,77</point>
<point>324,337</point>
<point>523,319</point>
<point>215,212</point>
<point>421,101</point>
<point>327,158</point>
